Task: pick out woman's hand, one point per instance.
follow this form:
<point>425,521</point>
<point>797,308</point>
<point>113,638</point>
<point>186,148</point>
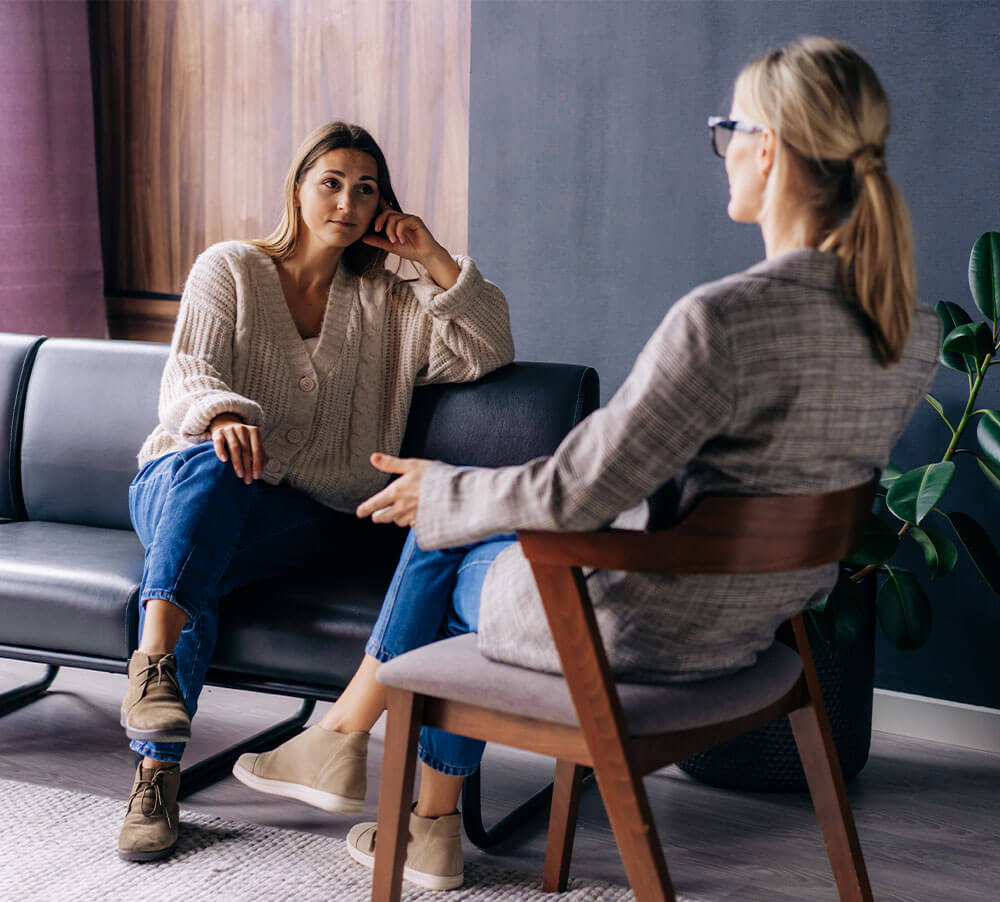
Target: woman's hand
<point>406,236</point>
<point>397,502</point>
<point>236,441</point>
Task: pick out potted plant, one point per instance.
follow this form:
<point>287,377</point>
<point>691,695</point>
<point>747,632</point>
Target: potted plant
<point>872,586</point>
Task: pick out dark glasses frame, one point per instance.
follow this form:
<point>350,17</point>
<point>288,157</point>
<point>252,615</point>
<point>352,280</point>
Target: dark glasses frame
<point>728,126</point>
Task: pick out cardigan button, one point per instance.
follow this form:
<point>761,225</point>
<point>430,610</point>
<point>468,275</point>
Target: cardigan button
<point>273,467</point>
<point>307,383</point>
<point>293,436</point>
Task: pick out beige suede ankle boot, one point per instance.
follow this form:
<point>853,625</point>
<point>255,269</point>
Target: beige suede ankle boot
<point>319,767</point>
<point>151,821</point>
<point>153,709</point>
<point>433,854</point>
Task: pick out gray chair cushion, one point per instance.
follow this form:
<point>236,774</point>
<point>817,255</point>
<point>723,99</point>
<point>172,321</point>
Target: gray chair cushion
<point>69,588</point>
<point>90,404</point>
<point>454,669</point>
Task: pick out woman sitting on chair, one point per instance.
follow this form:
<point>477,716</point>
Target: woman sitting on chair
<point>795,376</point>
<point>293,358</point>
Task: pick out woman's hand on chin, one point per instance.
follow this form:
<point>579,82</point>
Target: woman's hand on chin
<point>406,236</point>
<point>397,502</point>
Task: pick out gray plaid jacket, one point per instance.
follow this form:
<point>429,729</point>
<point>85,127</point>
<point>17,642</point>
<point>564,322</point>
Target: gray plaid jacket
<point>764,382</point>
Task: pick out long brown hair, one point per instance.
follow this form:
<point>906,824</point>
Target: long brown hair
<point>828,109</point>
<point>360,258</point>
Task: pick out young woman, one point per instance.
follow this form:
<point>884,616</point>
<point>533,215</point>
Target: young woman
<point>795,376</point>
<point>293,359</point>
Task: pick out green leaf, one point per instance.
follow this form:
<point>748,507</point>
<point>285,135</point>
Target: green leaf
<point>990,470</point>
<point>979,546</point>
<point>936,404</point>
<point>988,433</point>
<point>904,610</point>
<point>912,496</point>
<point>880,544</point>
<point>951,316</point>
<point>984,274</point>
<point>889,475</point>
<point>940,552</point>
<point>972,339</point>
<point>838,618</point>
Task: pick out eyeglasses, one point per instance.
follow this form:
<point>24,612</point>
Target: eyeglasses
<point>722,132</point>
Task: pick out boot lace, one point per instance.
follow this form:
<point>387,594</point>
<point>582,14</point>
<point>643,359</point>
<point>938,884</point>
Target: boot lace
<point>153,784</point>
<point>163,672</point>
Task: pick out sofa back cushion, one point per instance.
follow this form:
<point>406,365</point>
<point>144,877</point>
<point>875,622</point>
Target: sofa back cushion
<point>17,353</point>
<point>89,406</point>
<point>514,414</point>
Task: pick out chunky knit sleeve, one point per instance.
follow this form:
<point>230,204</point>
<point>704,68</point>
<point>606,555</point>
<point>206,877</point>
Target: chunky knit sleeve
<point>197,380</point>
<point>464,330</point>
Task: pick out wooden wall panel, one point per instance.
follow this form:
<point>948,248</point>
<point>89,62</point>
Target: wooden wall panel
<point>201,103</point>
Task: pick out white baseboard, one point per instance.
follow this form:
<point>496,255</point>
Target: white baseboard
<point>937,720</point>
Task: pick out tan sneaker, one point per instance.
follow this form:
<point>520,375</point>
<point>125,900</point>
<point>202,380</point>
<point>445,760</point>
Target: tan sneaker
<point>151,821</point>
<point>153,709</point>
<point>318,767</point>
<point>433,854</point>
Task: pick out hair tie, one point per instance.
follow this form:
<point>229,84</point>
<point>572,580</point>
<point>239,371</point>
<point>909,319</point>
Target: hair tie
<point>867,159</point>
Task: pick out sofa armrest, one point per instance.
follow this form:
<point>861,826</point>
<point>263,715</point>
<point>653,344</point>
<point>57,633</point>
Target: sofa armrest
<point>17,354</point>
<point>516,413</point>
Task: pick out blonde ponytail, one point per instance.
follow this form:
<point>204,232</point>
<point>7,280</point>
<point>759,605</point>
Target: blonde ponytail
<point>828,108</point>
<point>875,245</point>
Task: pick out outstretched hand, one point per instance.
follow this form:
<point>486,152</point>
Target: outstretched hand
<point>397,502</point>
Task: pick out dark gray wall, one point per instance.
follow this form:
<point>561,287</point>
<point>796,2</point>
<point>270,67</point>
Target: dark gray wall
<point>596,202</point>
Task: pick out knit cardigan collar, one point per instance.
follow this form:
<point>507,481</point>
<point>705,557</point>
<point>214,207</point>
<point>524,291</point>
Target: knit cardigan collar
<point>341,316</point>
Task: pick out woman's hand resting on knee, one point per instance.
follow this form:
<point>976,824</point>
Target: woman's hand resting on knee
<point>235,441</point>
<point>397,502</point>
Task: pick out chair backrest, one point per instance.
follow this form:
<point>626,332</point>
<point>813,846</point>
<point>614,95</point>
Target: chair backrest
<point>723,534</point>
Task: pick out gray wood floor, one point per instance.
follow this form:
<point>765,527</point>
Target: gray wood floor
<point>926,812</point>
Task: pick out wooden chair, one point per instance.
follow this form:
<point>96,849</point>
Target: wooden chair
<point>624,731</point>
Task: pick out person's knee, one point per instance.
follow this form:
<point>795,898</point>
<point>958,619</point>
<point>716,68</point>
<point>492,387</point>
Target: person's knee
<point>201,463</point>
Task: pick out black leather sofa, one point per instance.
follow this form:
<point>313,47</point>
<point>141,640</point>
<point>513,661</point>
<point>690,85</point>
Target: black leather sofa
<point>73,413</point>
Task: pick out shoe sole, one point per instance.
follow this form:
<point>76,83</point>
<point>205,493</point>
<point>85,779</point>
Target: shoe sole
<point>154,735</point>
<point>420,878</point>
<point>154,855</point>
<point>327,801</point>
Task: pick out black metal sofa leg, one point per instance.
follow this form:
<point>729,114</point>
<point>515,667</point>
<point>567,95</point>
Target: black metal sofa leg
<point>212,769</point>
<point>13,699</point>
<point>472,812</point>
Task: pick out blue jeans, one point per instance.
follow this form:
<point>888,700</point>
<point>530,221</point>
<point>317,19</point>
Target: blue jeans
<point>206,533</point>
<point>434,595</point>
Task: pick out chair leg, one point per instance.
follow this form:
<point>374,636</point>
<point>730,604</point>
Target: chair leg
<point>829,795</point>
<point>13,699</point>
<point>562,824</point>
<point>627,805</point>
<point>399,763</point>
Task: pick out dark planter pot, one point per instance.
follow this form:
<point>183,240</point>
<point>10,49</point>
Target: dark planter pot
<point>767,759</point>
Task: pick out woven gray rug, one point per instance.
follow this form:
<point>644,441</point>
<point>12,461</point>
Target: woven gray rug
<point>60,845</point>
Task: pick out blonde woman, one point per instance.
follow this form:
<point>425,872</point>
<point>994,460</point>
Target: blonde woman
<point>795,376</point>
<point>293,359</point>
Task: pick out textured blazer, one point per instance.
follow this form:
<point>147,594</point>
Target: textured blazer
<point>764,382</point>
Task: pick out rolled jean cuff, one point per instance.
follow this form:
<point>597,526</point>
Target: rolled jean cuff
<point>165,595</point>
<point>450,769</point>
<point>162,751</point>
<point>375,650</point>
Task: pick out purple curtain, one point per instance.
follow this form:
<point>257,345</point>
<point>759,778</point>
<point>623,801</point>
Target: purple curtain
<point>51,277</point>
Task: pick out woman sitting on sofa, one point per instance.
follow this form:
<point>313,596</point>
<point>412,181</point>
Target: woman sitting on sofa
<point>293,359</point>
<point>794,376</point>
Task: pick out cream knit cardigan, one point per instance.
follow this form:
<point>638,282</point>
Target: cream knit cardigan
<point>236,349</point>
